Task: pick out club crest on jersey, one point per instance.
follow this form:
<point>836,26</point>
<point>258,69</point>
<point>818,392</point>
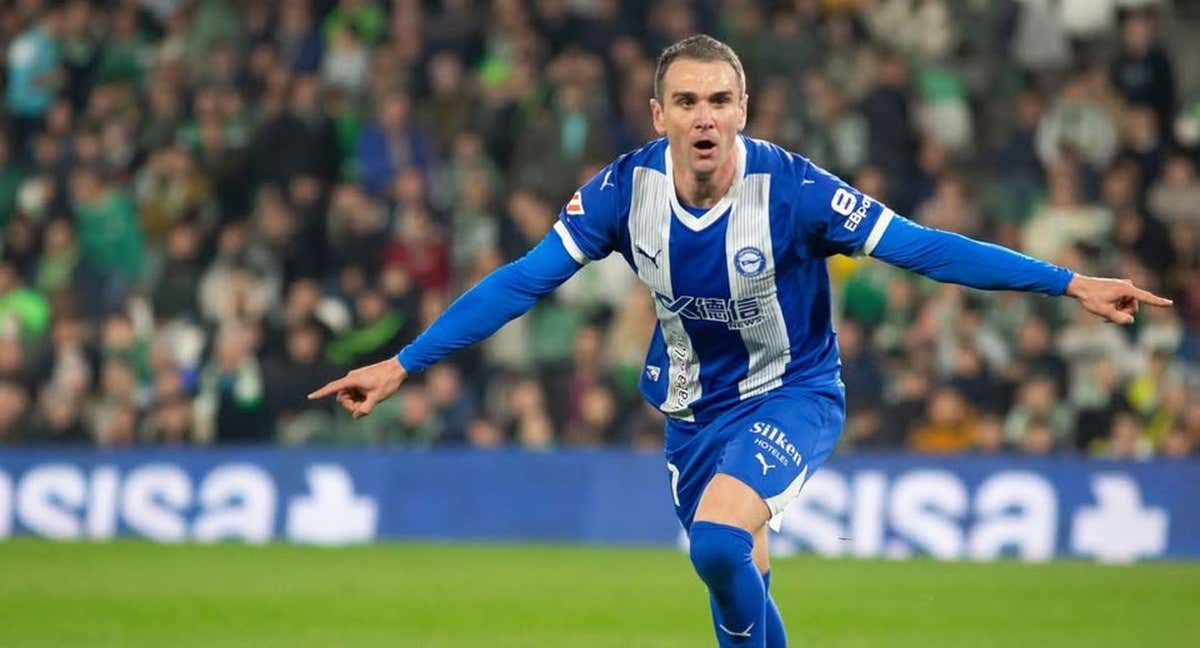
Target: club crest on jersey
<point>750,261</point>
<point>575,207</point>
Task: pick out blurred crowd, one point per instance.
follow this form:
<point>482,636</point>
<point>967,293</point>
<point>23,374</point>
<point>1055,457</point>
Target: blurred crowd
<point>208,208</point>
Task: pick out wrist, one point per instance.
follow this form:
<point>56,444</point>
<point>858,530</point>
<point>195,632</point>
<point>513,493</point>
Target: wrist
<point>1074,287</point>
<point>396,368</point>
<point>407,362</point>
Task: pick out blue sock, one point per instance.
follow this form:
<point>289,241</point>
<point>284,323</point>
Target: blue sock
<point>773,623</point>
<point>721,555</point>
<point>776,635</point>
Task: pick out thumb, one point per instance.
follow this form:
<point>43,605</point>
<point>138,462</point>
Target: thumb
<point>368,404</point>
<point>1120,317</point>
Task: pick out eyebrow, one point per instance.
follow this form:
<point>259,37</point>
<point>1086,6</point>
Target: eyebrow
<point>726,95</point>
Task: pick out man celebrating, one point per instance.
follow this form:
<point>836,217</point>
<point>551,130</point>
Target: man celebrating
<point>731,235</point>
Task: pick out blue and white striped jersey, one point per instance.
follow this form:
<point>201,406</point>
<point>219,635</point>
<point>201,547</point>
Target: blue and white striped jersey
<point>741,290</point>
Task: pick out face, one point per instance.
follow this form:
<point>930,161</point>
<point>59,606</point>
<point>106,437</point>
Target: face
<point>702,111</point>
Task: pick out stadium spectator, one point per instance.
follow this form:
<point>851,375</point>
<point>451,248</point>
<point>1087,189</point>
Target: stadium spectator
<point>59,420</point>
<point>529,423</point>
<point>989,436</point>
<point>892,144</point>
<point>10,181</point>
<point>285,371</point>
<point>417,423</point>
<point>836,133</point>
<point>296,37</point>
<point>561,137</point>
<point>1142,71</point>
<point>1126,439</point>
<point>32,77</point>
<point>1080,123</point>
<point>390,144</point>
<point>110,239</point>
<point>454,406</point>
<point>24,312</point>
<point>231,390</point>
<point>484,434</point>
<point>1065,219</point>
<point>863,376</point>
<point>14,413</point>
<point>1173,197</point>
<point>948,426</point>
<point>1179,445</point>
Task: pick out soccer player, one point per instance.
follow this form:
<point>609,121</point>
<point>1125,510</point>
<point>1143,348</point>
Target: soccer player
<point>731,235</point>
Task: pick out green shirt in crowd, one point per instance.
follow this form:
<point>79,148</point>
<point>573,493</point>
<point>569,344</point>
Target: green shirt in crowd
<point>110,235</point>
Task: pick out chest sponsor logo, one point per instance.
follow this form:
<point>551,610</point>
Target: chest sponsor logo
<point>736,314</point>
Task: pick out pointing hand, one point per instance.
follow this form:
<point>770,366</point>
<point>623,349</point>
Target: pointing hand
<point>1116,300</point>
<point>363,388</point>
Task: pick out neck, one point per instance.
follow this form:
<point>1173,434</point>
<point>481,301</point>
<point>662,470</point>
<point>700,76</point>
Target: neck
<point>704,190</point>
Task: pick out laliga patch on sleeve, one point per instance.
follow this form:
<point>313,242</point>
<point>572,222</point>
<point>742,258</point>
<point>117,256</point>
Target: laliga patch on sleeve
<point>575,207</point>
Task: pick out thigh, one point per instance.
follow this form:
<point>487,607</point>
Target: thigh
<point>776,448</point>
<point>729,500</point>
<point>692,453</point>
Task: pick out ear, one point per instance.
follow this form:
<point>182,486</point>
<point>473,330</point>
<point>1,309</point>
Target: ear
<point>656,114</point>
<point>742,106</point>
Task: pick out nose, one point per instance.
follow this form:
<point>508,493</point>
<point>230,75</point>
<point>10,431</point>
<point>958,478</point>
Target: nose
<point>703,117</point>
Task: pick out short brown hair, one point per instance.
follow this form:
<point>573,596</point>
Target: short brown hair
<point>700,47</point>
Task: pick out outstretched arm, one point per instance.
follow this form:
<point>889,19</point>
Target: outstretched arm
<point>834,217</point>
<point>503,295</point>
<point>953,258</point>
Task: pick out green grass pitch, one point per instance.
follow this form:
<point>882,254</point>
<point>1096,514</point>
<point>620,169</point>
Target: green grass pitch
<point>134,594</point>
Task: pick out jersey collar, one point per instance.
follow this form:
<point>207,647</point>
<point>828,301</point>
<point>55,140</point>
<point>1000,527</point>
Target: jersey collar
<point>697,223</point>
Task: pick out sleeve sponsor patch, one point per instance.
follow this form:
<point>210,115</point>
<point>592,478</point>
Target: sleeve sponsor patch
<point>575,207</point>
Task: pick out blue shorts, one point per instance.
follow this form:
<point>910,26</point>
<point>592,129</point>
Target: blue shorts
<point>773,443</point>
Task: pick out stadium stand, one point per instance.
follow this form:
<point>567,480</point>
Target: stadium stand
<point>209,208</point>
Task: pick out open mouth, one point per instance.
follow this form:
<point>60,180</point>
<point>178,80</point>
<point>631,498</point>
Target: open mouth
<point>704,147</point>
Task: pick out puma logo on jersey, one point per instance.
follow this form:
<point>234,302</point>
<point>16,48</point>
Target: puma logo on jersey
<point>604,184</point>
<point>762,460</point>
<point>652,257</point>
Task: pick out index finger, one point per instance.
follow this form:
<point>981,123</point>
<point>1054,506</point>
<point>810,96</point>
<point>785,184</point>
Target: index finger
<point>1151,298</point>
<point>331,387</point>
